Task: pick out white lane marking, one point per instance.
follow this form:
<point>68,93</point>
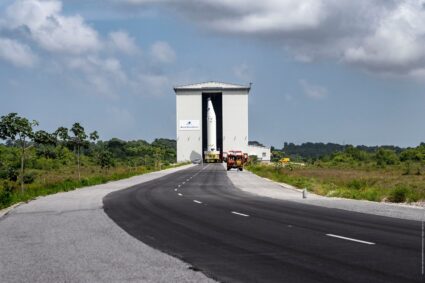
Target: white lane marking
<point>175,190</point>
<point>183,183</point>
<point>197,201</point>
<point>180,194</point>
<point>179,186</point>
<point>350,239</point>
<point>241,214</point>
<point>187,180</point>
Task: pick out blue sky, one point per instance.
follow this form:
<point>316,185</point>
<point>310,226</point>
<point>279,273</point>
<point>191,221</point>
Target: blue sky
<point>343,71</point>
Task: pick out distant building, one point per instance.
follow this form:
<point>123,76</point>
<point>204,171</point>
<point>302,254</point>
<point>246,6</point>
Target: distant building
<point>230,102</point>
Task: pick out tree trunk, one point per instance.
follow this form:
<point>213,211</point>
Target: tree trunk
<point>22,165</point>
<point>78,163</point>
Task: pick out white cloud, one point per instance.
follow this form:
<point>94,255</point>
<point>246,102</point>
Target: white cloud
<point>121,41</point>
<point>385,36</point>
<point>267,16</point>
<point>162,52</point>
<point>99,76</point>
<point>313,91</point>
<point>16,53</point>
<point>49,28</point>
<point>397,44</point>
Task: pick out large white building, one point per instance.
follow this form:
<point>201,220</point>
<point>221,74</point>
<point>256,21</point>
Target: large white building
<point>230,102</point>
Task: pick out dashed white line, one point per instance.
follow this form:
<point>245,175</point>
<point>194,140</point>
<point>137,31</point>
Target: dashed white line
<point>350,239</point>
<point>240,214</point>
<point>197,201</point>
<point>175,190</point>
<point>180,194</point>
<point>179,186</point>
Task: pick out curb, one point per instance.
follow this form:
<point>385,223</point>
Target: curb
<point>4,212</point>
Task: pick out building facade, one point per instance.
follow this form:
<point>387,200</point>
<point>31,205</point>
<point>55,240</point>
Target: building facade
<point>230,102</point>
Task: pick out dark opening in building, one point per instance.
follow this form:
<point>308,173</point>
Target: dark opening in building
<point>216,99</point>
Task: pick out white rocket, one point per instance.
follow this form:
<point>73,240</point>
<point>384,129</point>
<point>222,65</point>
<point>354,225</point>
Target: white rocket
<point>211,127</point>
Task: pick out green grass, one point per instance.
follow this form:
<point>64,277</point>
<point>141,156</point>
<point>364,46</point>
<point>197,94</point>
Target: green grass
<point>54,181</point>
<point>389,184</point>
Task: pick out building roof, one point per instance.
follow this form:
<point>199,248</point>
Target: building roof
<point>213,86</point>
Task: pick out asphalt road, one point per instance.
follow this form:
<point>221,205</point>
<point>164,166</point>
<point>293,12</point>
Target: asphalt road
<point>198,216</point>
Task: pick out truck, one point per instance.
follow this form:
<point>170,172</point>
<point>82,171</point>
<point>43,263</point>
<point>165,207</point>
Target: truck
<point>236,159</point>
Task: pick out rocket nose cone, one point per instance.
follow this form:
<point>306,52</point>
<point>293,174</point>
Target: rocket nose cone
<point>209,105</point>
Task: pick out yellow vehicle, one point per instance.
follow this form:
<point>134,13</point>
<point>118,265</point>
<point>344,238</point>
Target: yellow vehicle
<point>285,160</point>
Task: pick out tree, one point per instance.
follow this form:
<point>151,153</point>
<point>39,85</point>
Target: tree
<point>45,144</point>
<point>104,159</point>
<point>78,140</point>
<point>386,157</point>
<point>62,135</point>
<point>94,136</point>
<point>16,128</point>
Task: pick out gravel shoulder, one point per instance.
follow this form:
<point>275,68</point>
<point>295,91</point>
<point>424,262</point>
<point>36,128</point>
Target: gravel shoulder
<point>251,183</point>
<point>67,237</point>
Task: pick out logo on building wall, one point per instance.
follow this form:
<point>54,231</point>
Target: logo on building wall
<point>189,125</point>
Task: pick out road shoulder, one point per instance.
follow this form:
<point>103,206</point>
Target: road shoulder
<point>253,184</point>
<point>67,237</point>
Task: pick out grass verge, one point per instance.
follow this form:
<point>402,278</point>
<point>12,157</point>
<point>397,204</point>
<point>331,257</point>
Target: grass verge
<point>389,184</point>
<point>56,181</point>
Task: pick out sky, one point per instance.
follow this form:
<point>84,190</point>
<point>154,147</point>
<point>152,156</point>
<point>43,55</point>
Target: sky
<point>348,72</point>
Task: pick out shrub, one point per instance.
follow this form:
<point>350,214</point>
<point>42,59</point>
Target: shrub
<point>386,157</point>
<point>6,194</point>
<point>357,184</point>
<point>398,195</point>
<point>29,178</point>
<point>12,174</point>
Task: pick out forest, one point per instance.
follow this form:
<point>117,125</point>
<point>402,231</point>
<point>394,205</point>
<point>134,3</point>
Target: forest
<point>36,162</point>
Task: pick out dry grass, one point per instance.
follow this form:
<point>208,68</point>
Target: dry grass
<point>376,184</point>
<point>65,179</point>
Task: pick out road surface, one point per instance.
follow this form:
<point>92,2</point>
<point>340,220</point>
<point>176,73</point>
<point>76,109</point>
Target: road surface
<point>198,216</point>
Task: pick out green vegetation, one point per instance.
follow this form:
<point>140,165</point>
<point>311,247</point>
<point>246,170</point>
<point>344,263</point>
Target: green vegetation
<point>383,174</point>
<point>36,163</point>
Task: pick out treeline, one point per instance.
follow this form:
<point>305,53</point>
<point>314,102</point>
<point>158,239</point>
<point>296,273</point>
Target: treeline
<point>336,153</point>
<point>28,155</point>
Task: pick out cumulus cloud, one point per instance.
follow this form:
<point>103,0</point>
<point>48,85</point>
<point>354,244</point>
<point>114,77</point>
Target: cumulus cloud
<point>162,52</point>
<point>313,91</point>
<point>385,36</point>
<point>49,28</point>
<point>91,63</point>
<point>16,53</point>
<point>121,41</point>
<point>101,76</point>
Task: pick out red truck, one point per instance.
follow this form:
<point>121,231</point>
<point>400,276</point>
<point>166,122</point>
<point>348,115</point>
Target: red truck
<point>236,159</point>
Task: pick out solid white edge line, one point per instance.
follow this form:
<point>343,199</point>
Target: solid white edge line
<point>350,239</point>
<point>197,201</point>
<point>180,194</point>
<point>241,214</point>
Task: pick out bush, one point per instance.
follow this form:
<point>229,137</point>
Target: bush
<point>398,195</point>
<point>386,157</point>
<point>29,178</point>
<point>11,174</point>
<point>6,194</point>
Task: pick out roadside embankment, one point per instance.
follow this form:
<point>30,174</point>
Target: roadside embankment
<point>251,183</point>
